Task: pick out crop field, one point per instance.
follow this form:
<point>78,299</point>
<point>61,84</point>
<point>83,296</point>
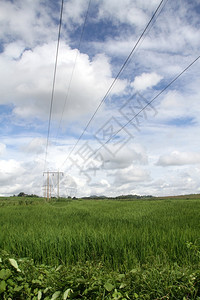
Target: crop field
<point>120,235</point>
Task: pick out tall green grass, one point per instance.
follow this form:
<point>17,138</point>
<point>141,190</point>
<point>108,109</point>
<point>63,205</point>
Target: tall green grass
<point>121,234</point>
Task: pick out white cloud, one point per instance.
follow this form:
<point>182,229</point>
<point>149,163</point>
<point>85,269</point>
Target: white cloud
<point>180,104</point>
<point>32,74</point>
<point>74,11</point>
<point>2,148</point>
<point>131,174</point>
<point>126,11</point>
<point>10,172</point>
<point>178,182</point>
<point>146,80</point>
<point>14,50</point>
<point>36,145</point>
<point>177,158</point>
<point>129,154</point>
<point>27,57</point>
<point>29,21</point>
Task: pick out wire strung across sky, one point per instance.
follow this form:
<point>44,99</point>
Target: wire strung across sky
<point>115,79</point>
<point>53,84</point>
<point>149,103</point>
<point>74,66</point>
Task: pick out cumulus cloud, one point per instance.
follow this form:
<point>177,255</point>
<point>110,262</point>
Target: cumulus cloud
<point>132,174</point>
<point>30,88</point>
<point>10,172</point>
<point>126,13</point>
<point>177,158</point>
<point>36,145</point>
<point>74,12</point>
<point>178,182</point>
<point>29,21</point>
<point>146,80</point>
<point>175,104</point>
<point>27,57</point>
<point>125,157</point>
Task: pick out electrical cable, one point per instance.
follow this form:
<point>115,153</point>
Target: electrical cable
<point>74,66</point>
<point>149,103</point>
<point>115,79</point>
<point>53,84</point>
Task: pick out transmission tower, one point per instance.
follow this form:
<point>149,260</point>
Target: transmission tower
<point>49,183</point>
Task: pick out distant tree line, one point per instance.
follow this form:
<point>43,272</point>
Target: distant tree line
<point>119,197</point>
<point>125,197</point>
<point>22,194</point>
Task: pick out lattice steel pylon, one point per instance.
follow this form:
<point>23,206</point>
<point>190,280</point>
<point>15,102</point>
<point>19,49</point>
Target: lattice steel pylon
<point>48,186</point>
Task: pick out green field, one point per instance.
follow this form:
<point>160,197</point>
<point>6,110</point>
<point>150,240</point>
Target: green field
<point>119,235</point>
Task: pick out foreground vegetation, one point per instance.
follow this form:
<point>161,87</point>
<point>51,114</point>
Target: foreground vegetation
<point>141,249</point>
<point>21,279</point>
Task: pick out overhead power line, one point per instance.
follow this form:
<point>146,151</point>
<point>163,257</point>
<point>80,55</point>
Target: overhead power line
<point>149,103</point>
<point>53,83</point>
<point>116,78</point>
<point>74,66</point>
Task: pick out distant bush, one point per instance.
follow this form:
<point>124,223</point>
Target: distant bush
<point>22,194</point>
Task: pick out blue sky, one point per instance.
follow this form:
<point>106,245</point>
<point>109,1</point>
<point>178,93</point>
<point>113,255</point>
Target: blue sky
<point>158,153</point>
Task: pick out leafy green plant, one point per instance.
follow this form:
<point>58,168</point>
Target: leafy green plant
<point>99,249</point>
<point>22,279</point>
